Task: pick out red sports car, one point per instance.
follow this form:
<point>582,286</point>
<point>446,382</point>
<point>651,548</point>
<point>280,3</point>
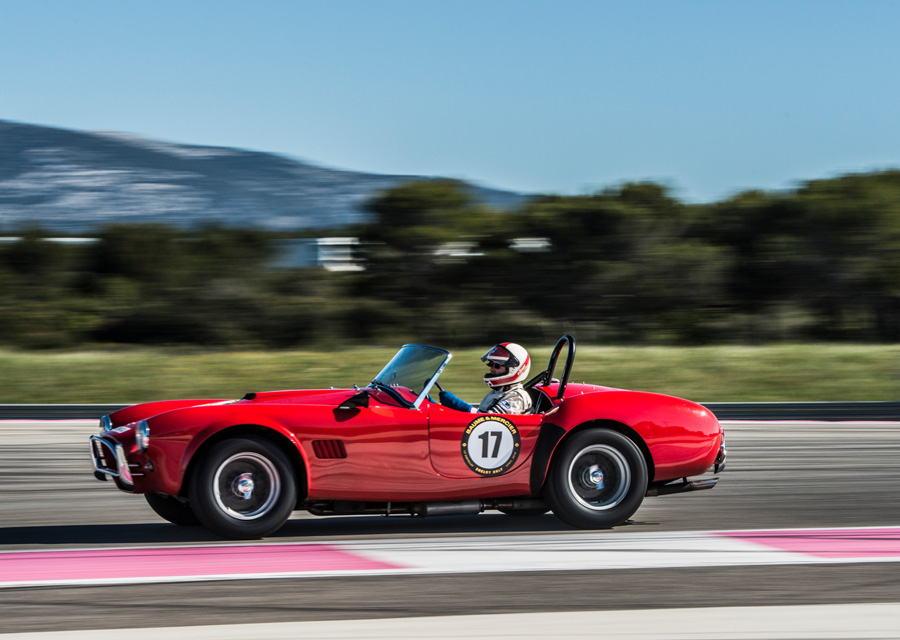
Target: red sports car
<point>240,467</point>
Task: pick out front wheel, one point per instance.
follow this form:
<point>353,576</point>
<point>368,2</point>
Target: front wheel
<point>597,480</point>
<point>243,488</point>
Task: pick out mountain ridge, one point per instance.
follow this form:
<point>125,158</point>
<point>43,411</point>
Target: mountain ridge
<point>73,181</point>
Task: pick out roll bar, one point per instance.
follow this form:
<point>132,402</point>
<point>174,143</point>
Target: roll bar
<point>546,377</point>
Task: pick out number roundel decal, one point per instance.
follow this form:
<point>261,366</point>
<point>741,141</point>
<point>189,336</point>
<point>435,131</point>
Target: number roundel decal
<point>491,445</point>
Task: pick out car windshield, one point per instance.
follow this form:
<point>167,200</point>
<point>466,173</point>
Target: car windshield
<point>415,367</point>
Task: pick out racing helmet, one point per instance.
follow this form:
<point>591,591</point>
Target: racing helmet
<point>512,356</point>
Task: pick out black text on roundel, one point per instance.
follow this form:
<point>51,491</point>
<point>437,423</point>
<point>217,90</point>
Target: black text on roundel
<point>490,445</point>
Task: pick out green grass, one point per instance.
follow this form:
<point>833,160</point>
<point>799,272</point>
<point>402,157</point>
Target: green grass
<point>705,374</point>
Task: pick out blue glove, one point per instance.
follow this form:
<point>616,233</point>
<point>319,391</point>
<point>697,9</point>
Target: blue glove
<point>451,401</point>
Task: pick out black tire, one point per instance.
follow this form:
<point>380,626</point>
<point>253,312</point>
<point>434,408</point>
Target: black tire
<point>243,488</point>
<point>172,509</point>
<point>597,480</point>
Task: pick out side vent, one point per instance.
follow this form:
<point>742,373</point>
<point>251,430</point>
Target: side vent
<point>329,449</point>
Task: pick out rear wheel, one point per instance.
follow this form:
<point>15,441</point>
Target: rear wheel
<point>172,509</point>
<point>597,480</point>
<point>243,488</point>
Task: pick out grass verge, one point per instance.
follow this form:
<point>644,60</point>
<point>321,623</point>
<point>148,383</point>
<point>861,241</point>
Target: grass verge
<point>805,372</point>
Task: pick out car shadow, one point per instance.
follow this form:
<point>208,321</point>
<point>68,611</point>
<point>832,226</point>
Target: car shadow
<point>342,526</point>
<point>106,534</point>
<point>298,529</point>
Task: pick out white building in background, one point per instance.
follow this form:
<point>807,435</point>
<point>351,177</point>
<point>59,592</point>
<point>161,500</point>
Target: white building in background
<point>531,245</point>
<point>339,254</point>
<point>12,239</point>
<point>342,254</point>
<point>331,254</point>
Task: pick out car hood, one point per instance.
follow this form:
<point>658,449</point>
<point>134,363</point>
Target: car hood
<point>147,410</point>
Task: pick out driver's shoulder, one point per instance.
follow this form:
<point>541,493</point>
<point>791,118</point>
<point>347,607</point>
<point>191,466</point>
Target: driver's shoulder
<point>516,399</point>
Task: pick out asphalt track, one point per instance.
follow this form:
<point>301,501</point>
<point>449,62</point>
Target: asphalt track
<point>781,476</point>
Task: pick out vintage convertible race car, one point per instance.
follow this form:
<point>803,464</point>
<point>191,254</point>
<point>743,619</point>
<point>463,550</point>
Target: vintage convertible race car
<point>240,467</point>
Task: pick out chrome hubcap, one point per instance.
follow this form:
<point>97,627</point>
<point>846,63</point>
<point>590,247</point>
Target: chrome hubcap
<point>246,486</point>
<point>593,476</point>
<point>243,486</point>
<point>599,477</point>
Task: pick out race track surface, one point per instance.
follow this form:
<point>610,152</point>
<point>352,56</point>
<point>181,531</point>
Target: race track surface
<point>686,557</point>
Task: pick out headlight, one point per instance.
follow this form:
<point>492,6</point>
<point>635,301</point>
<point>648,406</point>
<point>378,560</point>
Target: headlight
<point>142,435</point>
<point>105,424</point>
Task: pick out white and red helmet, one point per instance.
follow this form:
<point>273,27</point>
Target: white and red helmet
<point>513,357</point>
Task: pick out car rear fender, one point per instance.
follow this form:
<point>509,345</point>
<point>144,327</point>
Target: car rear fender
<point>683,437</point>
<point>280,437</point>
<point>552,436</point>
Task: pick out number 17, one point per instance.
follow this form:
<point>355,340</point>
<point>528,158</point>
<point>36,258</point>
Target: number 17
<point>498,436</point>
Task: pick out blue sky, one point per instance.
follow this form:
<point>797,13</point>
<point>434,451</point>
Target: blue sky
<point>710,98</point>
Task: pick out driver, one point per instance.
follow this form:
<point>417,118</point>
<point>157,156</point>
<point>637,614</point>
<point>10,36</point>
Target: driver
<point>508,365</point>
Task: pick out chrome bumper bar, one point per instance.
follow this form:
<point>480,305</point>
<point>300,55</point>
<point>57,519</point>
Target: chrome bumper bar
<point>109,460</point>
<point>719,464</point>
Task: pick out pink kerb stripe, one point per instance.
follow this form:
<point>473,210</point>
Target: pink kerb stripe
<point>34,566</point>
<point>828,543</point>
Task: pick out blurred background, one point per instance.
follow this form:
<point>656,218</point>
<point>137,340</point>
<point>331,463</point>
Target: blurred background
<point>629,265</point>
<point>700,174</point>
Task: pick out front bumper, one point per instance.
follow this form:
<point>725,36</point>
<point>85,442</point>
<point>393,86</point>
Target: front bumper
<point>719,464</point>
<point>110,461</point>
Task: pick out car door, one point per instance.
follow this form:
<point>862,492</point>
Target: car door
<point>372,453</point>
<point>472,445</point>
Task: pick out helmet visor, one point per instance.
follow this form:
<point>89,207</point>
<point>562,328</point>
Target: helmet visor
<point>500,354</point>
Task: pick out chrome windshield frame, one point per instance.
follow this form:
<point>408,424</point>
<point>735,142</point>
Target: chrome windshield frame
<point>428,386</point>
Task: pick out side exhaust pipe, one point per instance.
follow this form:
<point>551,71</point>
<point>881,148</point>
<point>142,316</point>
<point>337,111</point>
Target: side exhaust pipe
<point>462,508</point>
<point>424,509</point>
<point>682,487</point>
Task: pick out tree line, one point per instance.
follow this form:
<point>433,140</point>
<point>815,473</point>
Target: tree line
<point>627,265</point>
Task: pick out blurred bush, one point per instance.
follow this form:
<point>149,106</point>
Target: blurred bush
<point>627,265</point>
